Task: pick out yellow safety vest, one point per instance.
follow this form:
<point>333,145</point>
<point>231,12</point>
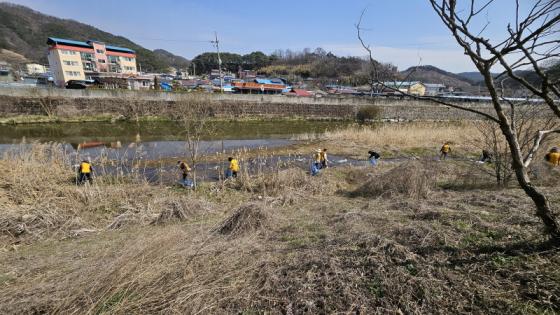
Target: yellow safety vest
<point>184,167</point>
<point>317,157</point>
<point>234,165</point>
<point>554,158</point>
<point>446,148</point>
<point>323,156</point>
<point>85,168</point>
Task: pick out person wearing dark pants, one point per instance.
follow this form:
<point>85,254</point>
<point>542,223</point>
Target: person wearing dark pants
<point>85,172</point>
<point>185,169</point>
<point>233,168</point>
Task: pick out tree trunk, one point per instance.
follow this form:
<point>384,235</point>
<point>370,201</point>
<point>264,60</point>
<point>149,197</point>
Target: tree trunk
<point>544,211</point>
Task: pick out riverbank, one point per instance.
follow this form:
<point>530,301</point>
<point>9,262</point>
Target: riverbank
<point>107,118</point>
<point>131,105</point>
<point>414,237</point>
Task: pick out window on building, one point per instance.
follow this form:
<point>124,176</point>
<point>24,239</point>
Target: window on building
<point>88,66</point>
<point>127,68</point>
<point>68,52</point>
<point>113,59</point>
<point>128,59</point>
<point>72,73</point>
<point>100,51</point>
<point>70,63</point>
<point>86,56</point>
<point>101,60</point>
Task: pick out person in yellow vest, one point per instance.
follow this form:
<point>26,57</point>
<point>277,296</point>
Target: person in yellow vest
<point>445,149</point>
<point>233,168</point>
<point>317,158</point>
<point>85,171</point>
<point>185,169</point>
<point>553,157</point>
<point>323,158</point>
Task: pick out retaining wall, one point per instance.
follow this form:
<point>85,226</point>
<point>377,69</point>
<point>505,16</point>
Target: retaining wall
<point>61,102</point>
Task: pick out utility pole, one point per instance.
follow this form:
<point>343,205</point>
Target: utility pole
<point>217,43</point>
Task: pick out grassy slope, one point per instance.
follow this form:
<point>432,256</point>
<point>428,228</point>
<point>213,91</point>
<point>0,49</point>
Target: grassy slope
<point>422,237</point>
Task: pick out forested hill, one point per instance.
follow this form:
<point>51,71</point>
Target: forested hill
<point>175,61</point>
<point>25,31</point>
<point>431,74</point>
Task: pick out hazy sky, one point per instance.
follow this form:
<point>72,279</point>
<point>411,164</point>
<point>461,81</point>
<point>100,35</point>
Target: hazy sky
<point>404,32</point>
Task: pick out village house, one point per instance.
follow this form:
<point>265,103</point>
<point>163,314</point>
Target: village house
<point>434,89</point>
<point>260,86</point>
<point>35,68</point>
<point>410,87</point>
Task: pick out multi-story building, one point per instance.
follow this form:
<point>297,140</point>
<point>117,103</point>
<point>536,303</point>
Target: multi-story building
<point>76,60</point>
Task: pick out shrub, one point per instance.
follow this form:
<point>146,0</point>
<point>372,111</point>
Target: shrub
<point>369,112</point>
<point>414,179</point>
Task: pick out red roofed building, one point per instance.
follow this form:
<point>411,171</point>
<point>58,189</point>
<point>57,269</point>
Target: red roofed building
<point>299,92</point>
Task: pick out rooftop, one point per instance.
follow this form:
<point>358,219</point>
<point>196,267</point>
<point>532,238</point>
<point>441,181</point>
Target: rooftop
<point>70,42</point>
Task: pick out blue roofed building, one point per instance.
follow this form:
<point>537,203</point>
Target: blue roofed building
<point>76,60</point>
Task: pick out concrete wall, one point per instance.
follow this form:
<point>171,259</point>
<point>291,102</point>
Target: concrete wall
<point>61,102</point>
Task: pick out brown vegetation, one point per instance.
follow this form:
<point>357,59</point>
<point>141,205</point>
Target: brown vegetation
<point>398,139</point>
<point>288,243</point>
<point>413,179</point>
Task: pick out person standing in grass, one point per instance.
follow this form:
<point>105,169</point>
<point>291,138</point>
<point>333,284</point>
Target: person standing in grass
<point>323,158</point>
<point>445,150</point>
<point>185,169</point>
<point>373,157</point>
<point>84,172</point>
<point>233,168</point>
<point>553,157</point>
<point>317,158</point>
<point>316,163</point>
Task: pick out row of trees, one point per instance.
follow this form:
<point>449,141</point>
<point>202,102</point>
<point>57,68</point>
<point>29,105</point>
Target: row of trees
<point>291,64</point>
<point>205,62</point>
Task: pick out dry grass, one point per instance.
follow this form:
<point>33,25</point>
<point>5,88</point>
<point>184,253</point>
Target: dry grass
<point>41,201</point>
<point>294,182</point>
<point>247,218</point>
<point>398,137</point>
<point>414,179</point>
<point>225,250</point>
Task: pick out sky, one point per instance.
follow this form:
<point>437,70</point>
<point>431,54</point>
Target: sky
<point>403,32</point>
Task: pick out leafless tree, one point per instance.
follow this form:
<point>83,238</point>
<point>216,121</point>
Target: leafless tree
<point>195,115</point>
<point>48,103</point>
<point>529,119</point>
<point>532,39</point>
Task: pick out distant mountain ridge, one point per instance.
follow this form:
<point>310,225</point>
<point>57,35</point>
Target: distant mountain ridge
<point>25,31</point>
<point>473,76</point>
<point>432,74</point>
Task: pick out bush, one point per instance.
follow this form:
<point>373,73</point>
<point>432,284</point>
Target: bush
<point>369,112</point>
<point>414,179</point>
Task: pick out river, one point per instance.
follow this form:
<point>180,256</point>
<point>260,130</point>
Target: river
<point>125,144</point>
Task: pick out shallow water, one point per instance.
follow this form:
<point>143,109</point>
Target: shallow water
<point>128,132</point>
